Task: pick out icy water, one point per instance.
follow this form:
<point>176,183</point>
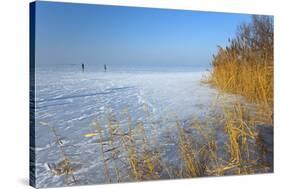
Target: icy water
<point>69,101</point>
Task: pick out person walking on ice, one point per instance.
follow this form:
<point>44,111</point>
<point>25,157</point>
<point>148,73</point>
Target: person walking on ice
<point>83,67</point>
<point>104,66</point>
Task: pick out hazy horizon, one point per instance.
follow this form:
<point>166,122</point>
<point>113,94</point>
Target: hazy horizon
<point>70,33</point>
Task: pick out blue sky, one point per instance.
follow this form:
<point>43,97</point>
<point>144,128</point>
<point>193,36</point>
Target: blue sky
<point>69,33</point>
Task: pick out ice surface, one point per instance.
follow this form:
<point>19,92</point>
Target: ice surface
<point>70,101</point>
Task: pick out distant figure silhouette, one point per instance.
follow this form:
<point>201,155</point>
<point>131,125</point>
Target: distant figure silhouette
<point>83,67</point>
<point>104,66</point>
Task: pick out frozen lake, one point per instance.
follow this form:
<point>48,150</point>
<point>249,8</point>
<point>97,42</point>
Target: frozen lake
<point>69,101</point>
